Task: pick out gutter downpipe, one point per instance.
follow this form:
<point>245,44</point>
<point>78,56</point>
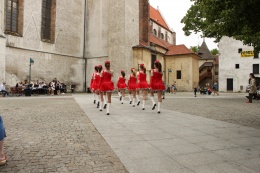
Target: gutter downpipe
<point>84,50</point>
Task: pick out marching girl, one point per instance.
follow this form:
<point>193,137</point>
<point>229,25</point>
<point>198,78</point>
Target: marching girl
<point>92,82</point>
<point>121,86</point>
<point>96,84</point>
<point>107,86</point>
<point>156,84</point>
<point>142,83</point>
<point>132,82</point>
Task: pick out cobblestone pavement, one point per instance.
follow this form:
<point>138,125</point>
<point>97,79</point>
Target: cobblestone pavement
<point>52,134</point>
<point>229,107</point>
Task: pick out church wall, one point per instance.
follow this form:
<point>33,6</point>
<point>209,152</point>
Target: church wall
<point>56,59</point>
<point>2,43</point>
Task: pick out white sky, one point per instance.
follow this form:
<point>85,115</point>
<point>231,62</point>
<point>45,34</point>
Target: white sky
<point>173,11</point>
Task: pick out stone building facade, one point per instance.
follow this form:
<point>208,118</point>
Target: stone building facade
<point>236,62</point>
<point>83,33</point>
<point>60,56</point>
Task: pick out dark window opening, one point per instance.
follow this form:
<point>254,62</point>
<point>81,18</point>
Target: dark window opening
<point>256,53</point>
<point>46,19</point>
<point>12,15</point>
<point>240,50</point>
<point>237,66</point>
<point>256,68</point>
<point>155,32</point>
<point>178,74</point>
<point>162,36</point>
<point>153,58</point>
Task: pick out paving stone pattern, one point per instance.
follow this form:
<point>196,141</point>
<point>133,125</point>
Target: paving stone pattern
<point>53,134</point>
<point>226,107</point>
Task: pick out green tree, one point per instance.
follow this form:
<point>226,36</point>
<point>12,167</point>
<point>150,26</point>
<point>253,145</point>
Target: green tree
<point>217,18</point>
<point>194,49</point>
<point>214,51</point>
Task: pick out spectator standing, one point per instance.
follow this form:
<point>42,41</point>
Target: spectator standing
<point>251,87</point>
<point>2,89</point>
<point>215,88</point>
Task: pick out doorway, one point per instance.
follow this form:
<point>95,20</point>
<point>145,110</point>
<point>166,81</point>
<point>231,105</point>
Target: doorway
<point>230,84</point>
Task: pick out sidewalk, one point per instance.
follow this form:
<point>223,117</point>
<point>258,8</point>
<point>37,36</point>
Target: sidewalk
<point>147,142</point>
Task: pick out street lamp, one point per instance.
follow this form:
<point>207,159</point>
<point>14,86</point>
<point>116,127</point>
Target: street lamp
<point>169,71</point>
<point>31,62</point>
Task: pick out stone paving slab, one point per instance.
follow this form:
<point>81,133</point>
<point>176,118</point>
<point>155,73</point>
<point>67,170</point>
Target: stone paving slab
<point>53,134</point>
<point>174,141</point>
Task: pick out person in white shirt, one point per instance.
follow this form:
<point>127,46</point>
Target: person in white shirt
<point>2,89</point>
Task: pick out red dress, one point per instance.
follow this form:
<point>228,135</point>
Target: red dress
<point>92,81</point>
<point>96,82</point>
<point>121,83</point>
<point>156,82</point>
<point>132,83</point>
<point>106,82</point>
<point>142,81</point>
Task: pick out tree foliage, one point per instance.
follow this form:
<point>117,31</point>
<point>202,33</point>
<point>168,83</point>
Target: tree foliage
<point>214,51</point>
<point>194,49</point>
<point>239,19</point>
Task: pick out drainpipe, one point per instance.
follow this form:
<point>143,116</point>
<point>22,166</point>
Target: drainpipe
<point>84,50</point>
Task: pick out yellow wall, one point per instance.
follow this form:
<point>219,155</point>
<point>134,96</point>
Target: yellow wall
<point>188,64</point>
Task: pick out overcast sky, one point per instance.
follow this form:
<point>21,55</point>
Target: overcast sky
<point>173,11</point>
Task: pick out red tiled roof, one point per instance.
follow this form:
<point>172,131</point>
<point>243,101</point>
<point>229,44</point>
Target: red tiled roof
<point>179,50</point>
<point>157,17</point>
<point>159,42</point>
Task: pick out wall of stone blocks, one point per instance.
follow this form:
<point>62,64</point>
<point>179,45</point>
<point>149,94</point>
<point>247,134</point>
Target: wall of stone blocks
<point>46,67</point>
<point>62,59</point>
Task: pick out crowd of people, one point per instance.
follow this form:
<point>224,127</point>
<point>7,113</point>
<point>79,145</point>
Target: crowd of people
<point>102,86</point>
<point>55,87</point>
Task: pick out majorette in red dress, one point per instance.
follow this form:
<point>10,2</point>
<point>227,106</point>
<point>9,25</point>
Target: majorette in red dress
<point>96,82</point>
<point>156,82</point>
<point>142,81</point>
<point>92,81</point>
<point>106,83</point>
<point>132,83</point>
<point>121,83</point>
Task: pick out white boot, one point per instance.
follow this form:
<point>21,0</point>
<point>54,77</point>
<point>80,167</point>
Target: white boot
<point>143,105</point>
<point>154,104</point>
<point>122,101</point>
<point>159,107</point>
<point>133,102</point>
<point>130,98</point>
<point>101,106</point>
<point>108,108</point>
<point>138,100</point>
<point>120,95</point>
<point>105,101</point>
<point>95,97</point>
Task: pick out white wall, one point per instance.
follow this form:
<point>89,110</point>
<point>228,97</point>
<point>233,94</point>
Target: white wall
<point>229,56</point>
<point>2,43</point>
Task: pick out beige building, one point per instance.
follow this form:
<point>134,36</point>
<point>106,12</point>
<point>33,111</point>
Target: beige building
<point>180,65</point>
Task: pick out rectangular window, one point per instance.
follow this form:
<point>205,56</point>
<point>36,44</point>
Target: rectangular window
<point>12,16</point>
<point>237,66</point>
<point>256,68</point>
<point>240,50</point>
<point>178,74</point>
<point>256,53</point>
<point>153,58</point>
<point>46,19</point>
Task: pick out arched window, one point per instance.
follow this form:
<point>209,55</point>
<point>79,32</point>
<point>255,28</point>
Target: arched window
<point>162,36</point>
<point>155,32</point>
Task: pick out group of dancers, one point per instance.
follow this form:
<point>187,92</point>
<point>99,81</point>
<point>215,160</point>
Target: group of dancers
<point>102,86</point>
